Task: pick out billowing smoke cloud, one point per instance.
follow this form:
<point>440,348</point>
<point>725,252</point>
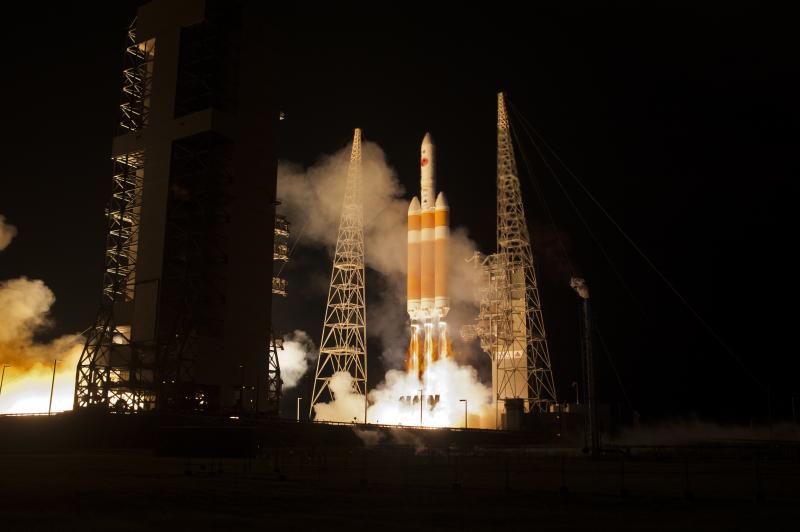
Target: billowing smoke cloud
<point>347,405</point>
<point>312,199</point>
<point>298,351</point>
<point>386,407</point>
<point>24,311</point>
<point>24,305</point>
<point>7,233</point>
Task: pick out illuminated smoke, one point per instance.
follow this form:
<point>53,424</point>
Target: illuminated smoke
<point>312,199</point>
<point>24,308</point>
<point>347,406</point>
<point>24,305</point>
<point>395,401</point>
<point>7,233</point>
<point>298,351</point>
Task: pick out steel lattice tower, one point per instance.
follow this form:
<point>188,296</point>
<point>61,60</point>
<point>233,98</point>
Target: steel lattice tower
<point>343,346</point>
<point>523,358</point>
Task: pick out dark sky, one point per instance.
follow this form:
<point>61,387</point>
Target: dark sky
<point>682,124</point>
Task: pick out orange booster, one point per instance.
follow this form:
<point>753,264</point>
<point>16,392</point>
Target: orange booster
<point>413,293</point>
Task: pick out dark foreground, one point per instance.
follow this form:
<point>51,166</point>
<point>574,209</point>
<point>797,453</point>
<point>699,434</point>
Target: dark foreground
<point>390,490</point>
<point>403,482</point>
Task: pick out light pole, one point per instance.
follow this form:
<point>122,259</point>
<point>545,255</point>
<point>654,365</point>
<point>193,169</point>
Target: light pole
<point>579,285</point>
<point>420,407</point>
<point>241,389</point>
<point>298,408</point>
<point>577,392</point>
<point>52,385</point>
<point>3,376</point>
<point>465,411</point>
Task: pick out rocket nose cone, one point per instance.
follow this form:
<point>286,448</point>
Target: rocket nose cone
<point>427,139</point>
<point>413,207</point>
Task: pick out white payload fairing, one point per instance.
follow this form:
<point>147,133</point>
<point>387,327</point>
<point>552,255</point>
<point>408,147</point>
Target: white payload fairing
<point>428,234</point>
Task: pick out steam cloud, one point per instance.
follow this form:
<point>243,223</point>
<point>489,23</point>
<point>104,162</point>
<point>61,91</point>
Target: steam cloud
<point>312,199</point>
<point>24,310</point>
<point>298,351</point>
<point>694,431</point>
<point>7,233</point>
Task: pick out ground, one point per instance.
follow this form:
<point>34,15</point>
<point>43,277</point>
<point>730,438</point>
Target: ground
<point>400,488</point>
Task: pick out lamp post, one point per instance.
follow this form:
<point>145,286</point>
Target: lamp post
<point>52,385</point>
<point>298,408</point>
<point>577,392</point>
<point>579,285</point>
<point>420,407</point>
<point>465,411</point>
<point>241,389</point>
<point>3,376</point>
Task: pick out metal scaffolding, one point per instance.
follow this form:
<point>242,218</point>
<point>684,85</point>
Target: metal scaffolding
<point>274,381</point>
<point>112,372</point>
<point>136,75</point>
<point>510,324</point>
<point>343,347</point>
<point>280,254</point>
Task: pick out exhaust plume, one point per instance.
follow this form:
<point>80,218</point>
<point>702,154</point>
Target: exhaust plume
<point>24,311</point>
<point>298,351</point>
<point>7,233</point>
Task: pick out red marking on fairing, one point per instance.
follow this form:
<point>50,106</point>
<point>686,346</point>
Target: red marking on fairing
<point>424,161</point>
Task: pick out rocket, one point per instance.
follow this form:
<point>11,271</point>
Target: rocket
<point>427,298</point>
<point>428,235</point>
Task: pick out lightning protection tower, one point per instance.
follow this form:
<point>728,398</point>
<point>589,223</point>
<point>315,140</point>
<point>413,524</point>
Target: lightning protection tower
<point>522,358</point>
<point>343,347</point>
<point>510,324</point>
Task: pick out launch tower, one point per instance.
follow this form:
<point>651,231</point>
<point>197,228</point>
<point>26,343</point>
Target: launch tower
<point>185,311</point>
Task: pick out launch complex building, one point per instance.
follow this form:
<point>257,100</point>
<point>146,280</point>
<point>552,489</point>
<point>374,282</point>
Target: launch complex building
<point>183,323</point>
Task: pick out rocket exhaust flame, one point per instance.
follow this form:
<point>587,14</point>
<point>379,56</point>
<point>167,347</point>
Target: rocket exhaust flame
<point>427,346</point>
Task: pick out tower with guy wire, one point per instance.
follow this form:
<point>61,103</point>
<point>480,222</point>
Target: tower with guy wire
<point>343,347</point>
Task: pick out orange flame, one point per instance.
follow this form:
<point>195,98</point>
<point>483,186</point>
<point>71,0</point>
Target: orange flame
<point>426,347</point>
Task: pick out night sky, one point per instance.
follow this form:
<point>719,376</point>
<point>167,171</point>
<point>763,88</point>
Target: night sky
<point>682,124</point>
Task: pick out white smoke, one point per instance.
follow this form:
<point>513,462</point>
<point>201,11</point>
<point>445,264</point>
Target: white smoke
<point>24,311</point>
<point>694,431</point>
<point>298,351</point>
<point>387,407</point>
<point>312,199</point>
<point>347,405</point>
<point>7,233</point>
<point>24,305</point>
